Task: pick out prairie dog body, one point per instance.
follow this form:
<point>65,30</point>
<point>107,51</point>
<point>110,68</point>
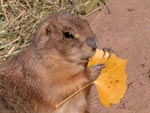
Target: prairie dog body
<point>51,68</point>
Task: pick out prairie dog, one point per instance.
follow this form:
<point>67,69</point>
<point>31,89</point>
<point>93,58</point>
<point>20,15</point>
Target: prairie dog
<point>51,68</point>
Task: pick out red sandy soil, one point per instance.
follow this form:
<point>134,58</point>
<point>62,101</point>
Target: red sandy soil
<point>127,31</point>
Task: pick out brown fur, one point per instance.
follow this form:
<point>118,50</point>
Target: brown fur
<point>49,69</point>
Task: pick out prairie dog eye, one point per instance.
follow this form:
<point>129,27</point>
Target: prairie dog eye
<point>68,35</point>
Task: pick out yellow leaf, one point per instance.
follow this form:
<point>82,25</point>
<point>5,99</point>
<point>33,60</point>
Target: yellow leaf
<point>111,84</point>
<point>98,58</point>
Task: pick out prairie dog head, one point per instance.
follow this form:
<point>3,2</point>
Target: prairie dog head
<point>69,35</point>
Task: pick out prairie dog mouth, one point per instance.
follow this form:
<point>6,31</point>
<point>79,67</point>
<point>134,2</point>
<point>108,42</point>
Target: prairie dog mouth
<point>85,58</point>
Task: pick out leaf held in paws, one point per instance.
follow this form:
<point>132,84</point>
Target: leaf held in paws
<point>111,84</point>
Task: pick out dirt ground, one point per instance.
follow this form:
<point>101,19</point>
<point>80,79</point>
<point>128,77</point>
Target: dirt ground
<point>127,31</point>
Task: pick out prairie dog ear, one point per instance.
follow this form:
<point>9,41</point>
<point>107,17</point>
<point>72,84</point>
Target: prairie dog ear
<point>48,30</point>
<point>44,29</point>
<point>43,33</point>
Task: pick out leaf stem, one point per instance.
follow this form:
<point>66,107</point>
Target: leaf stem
<point>72,95</point>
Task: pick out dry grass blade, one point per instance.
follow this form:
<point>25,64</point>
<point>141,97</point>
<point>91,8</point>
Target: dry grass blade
<point>11,50</point>
<point>62,2</point>
<point>2,5</point>
<point>10,43</point>
<point>95,10</point>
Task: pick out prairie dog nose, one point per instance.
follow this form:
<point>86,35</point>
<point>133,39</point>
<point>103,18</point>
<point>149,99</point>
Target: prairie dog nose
<point>91,42</point>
